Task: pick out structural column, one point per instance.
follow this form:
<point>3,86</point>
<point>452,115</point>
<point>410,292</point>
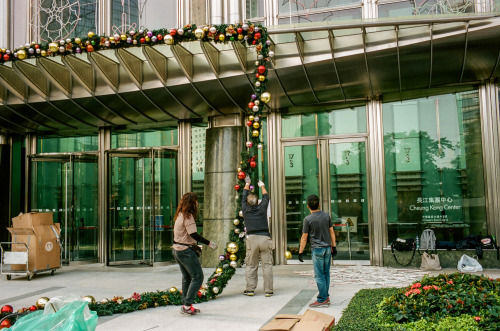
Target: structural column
<point>184,157</point>
<point>224,140</point>
<point>5,186</point>
<point>104,145</point>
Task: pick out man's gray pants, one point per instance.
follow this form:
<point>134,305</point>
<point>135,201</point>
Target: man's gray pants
<point>259,246</point>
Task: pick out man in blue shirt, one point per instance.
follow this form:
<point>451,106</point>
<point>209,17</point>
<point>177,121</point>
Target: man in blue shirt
<point>318,225</point>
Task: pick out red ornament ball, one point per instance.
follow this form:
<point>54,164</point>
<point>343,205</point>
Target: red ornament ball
<point>7,309</point>
<point>143,40</point>
<point>5,324</point>
<point>90,48</point>
<point>160,37</point>
<point>254,42</point>
<point>236,187</point>
<point>240,30</point>
<point>241,175</point>
<point>250,105</point>
<point>261,69</point>
<point>249,123</point>
<point>33,308</point>
<point>257,35</point>
<point>253,164</point>
<point>173,32</point>
<point>257,75</point>
<point>6,57</point>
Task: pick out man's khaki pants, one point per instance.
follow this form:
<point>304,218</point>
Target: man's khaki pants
<point>259,246</point>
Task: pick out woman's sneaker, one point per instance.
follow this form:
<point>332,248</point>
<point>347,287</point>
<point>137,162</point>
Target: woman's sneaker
<point>189,311</point>
<point>317,304</point>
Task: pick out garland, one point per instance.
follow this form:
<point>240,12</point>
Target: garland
<point>246,33</point>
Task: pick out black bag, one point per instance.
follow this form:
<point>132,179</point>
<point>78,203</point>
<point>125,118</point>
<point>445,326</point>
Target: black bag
<point>446,245</point>
<point>472,241</point>
<point>196,249</point>
<point>403,245</point>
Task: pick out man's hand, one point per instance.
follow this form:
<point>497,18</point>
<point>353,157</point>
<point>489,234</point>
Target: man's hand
<point>334,251</point>
<point>300,257</point>
<point>247,180</point>
<point>261,183</point>
<point>212,245</point>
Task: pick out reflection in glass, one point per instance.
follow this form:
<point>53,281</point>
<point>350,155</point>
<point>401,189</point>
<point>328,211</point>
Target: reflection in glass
<point>342,121</point>
<point>198,135</point>
<point>67,144</point>
<point>144,139</point>
<point>347,14</point>
<point>309,6</point>
<point>143,14</point>
<point>348,200</point>
<point>255,8</point>
<point>301,180</point>
<point>434,167</point>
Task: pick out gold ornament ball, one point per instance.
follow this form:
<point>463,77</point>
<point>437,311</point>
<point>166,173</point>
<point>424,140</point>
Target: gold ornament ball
<point>169,40</point>
<point>40,303</point>
<point>232,247</point>
<point>262,78</point>
<point>104,300</point>
<point>21,54</point>
<point>218,270</point>
<point>123,37</point>
<point>240,37</point>
<point>43,52</point>
<point>89,299</point>
<point>233,257</point>
<point>265,97</point>
<point>237,231</point>
<point>199,33</point>
<point>53,47</point>
<point>288,255</point>
<point>78,41</point>
<point>173,289</point>
<point>90,34</point>
<point>233,264</point>
<point>239,169</point>
<point>250,118</point>
<point>236,221</point>
<point>240,213</point>
<point>256,125</point>
<point>255,133</point>
<point>221,37</point>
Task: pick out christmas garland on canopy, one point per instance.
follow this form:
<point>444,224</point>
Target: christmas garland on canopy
<point>245,33</point>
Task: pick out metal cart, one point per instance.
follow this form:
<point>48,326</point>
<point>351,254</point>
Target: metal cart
<point>19,257</point>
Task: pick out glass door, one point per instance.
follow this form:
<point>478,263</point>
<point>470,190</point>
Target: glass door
<point>67,186</point>
<point>335,171</point>
<point>130,213</point>
<point>165,203</point>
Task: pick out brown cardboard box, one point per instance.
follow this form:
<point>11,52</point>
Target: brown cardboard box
<point>41,238</point>
<point>310,321</point>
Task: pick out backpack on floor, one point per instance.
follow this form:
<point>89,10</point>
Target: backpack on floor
<point>428,240</point>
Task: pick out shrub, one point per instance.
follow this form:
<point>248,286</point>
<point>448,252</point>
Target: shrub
<point>361,312</point>
<point>435,298</point>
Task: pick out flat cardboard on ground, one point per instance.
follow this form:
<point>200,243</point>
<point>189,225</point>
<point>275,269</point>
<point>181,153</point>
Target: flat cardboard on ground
<point>310,321</point>
<point>41,236</point>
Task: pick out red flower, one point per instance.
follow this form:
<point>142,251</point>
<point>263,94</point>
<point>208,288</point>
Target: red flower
<point>416,285</point>
<point>136,296</point>
<point>477,318</point>
<point>460,301</point>
<point>450,282</point>
<point>427,287</point>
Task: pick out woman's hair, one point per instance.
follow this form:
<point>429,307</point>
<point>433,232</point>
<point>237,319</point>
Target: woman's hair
<point>187,206</point>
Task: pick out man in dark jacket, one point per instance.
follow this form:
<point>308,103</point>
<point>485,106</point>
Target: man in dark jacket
<point>259,243</point>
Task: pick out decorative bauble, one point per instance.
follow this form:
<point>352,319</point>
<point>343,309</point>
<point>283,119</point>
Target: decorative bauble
<point>271,53</point>
<point>236,221</point>
<point>256,29</point>
<point>21,54</point>
<point>249,144</point>
<point>288,255</point>
<point>40,303</point>
<point>172,32</point>
<point>53,47</point>
<point>251,118</point>
<point>90,34</point>
<point>141,31</point>
<point>62,49</point>
<point>232,248</point>
<point>241,175</point>
<point>213,29</point>
<point>89,299</point>
<point>78,41</point>
<point>233,257</point>
<point>252,188</point>
<point>245,26</point>
<point>32,308</point>
<point>143,40</point>
<point>6,57</point>
<point>147,39</point>
<point>260,57</point>
<point>43,52</point>
<point>239,30</point>
<point>173,289</point>
<point>31,50</point>
<point>149,33</point>
<point>104,300</point>
<point>249,123</point>
<point>265,97</point>
<point>241,235</point>
<point>239,169</point>
<point>240,37</point>
<point>6,323</point>
<point>268,42</point>
<point>233,264</point>
<point>256,119</point>
<point>262,78</point>
<point>134,42</point>
<point>93,42</point>
<point>169,40</point>
<point>259,146</point>
<point>257,75</point>
<point>132,32</point>
<point>253,164</point>
<point>215,289</point>
<point>129,40</point>
<point>107,43</point>
<point>256,35</point>
<point>236,187</point>
<point>154,39</point>
<point>222,257</point>
<point>255,108</point>
<point>123,37</point>
<point>159,37</point>
<point>218,270</point>
<point>237,231</point>
<point>256,125</point>
<point>221,37</point>
<point>90,48</point>
<point>198,33</point>
<point>251,104</point>
<point>240,213</point>
<point>180,31</point>
<point>7,309</point>
<point>255,133</point>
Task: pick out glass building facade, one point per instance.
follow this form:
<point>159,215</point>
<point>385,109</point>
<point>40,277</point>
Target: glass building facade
<point>385,165</point>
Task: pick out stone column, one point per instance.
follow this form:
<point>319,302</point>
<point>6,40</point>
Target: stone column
<point>224,140</point>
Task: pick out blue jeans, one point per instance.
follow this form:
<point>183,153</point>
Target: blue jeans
<point>192,274</point>
<point>322,259</point>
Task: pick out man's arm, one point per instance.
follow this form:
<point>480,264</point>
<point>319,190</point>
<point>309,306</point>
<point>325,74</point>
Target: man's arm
<point>332,236</point>
<point>303,242</point>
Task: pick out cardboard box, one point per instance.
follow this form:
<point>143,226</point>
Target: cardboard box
<point>41,238</point>
<point>310,321</point>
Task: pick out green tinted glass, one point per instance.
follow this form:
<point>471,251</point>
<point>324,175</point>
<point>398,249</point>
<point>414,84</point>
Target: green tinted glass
<point>145,139</point>
<point>67,144</point>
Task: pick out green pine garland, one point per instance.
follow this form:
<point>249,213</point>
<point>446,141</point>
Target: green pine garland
<point>248,34</point>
